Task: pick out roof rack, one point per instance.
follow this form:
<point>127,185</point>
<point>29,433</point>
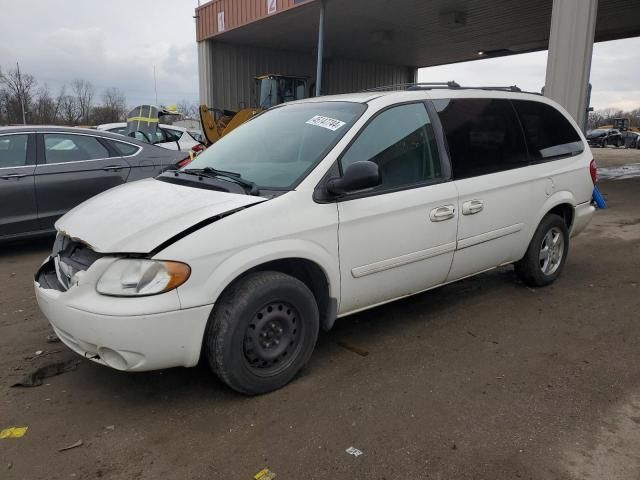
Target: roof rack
<point>443,85</point>
<point>414,85</point>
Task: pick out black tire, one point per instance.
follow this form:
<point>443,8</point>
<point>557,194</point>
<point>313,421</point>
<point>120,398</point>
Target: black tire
<point>261,332</point>
<point>532,269</point>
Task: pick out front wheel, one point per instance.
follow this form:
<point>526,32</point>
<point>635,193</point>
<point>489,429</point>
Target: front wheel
<point>262,331</point>
<point>547,253</point>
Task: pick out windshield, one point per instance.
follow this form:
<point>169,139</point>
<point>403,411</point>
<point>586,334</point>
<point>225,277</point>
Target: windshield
<point>597,131</point>
<point>278,147</point>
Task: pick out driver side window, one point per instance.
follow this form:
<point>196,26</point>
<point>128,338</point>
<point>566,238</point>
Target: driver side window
<point>402,143</point>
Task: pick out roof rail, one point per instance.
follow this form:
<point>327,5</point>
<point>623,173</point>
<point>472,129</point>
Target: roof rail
<point>416,85</point>
<point>443,85</point>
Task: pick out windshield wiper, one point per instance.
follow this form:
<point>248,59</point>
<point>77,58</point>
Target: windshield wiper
<point>211,172</point>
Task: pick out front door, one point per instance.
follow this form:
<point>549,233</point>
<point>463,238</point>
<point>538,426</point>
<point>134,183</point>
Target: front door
<point>18,213</point>
<point>71,169</point>
<point>398,238</point>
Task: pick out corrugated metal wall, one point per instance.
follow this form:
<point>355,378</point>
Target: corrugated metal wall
<point>236,14</point>
<point>227,73</point>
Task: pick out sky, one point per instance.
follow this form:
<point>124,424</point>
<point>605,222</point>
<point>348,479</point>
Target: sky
<point>117,43</point>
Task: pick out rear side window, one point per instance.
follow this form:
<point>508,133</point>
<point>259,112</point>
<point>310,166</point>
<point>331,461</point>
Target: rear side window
<point>483,135</point>
<point>548,133</point>
<point>401,141</point>
<point>124,149</point>
<point>63,148</point>
<point>172,135</point>
<point>13,150</point>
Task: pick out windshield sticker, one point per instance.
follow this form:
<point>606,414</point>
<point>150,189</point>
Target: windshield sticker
<point>326,122</point>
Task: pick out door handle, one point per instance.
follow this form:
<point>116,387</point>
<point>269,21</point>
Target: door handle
<point>13,175</point>
<point>472,206</point>
<point>445,212</point>
<point>112,168</point>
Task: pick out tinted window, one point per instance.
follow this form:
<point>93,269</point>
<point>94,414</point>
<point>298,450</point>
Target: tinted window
<point>13,150</point>
<point>483,135</point>
<point>118,130</point>
<point>549,134</point>
<point>401,141</point>
<point>62,148</point>
<point>124,149</point>
<point>278,147</point>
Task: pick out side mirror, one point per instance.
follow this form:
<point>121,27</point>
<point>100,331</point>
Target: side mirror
<point>357,176</point>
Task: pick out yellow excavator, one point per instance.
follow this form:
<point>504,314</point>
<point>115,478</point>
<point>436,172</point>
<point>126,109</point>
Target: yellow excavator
<point>271,89</point>
<point>621,124</point>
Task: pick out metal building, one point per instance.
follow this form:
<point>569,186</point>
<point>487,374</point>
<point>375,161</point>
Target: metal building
<point>368,43</point>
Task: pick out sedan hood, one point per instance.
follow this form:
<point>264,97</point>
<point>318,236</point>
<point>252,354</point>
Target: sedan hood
<point>137,217</point>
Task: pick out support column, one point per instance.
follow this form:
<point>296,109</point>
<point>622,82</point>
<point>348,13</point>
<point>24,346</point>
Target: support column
<point>205,72</point>
<point>573,24</point>
<point>320,49</point>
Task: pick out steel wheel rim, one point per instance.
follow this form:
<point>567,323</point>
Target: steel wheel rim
<point>551,251</point>
<point>272,339</point>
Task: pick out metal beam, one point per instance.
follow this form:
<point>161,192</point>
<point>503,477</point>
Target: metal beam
<point>205,73</point>
<point>320,49</point>
<point>571,40</point>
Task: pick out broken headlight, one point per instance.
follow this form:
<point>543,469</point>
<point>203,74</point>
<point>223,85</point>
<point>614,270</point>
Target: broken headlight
<point>132,277</point>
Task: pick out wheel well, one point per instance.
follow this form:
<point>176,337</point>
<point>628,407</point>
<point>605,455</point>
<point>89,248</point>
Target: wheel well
<point>313,276</point>
<point>565,211</point>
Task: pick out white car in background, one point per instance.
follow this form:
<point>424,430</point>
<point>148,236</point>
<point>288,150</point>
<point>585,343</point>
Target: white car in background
<point>167,136</point>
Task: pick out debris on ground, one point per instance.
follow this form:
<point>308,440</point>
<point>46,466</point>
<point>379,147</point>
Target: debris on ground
<point>454,446</point>
<point>13,432</point>
<point>79,443</point>
<point>35,378</point>
<point>264,474</point>
<point>39,352</point>
<point>360,351</point>
<point>110,427</point>
<point>354,451</point>
<point>52,338</point>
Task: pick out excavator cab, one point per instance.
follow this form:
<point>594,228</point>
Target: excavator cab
<point>270,90</point>
<point>621,124</point>
<point>276,89</point>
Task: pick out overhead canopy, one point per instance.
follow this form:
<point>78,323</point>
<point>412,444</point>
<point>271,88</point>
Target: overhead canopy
<point>422,33</point>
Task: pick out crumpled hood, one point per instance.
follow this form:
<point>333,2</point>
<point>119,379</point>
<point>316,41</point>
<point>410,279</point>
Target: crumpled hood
<point>139,216</point>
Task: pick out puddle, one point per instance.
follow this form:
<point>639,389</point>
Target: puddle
<point>619,173</point>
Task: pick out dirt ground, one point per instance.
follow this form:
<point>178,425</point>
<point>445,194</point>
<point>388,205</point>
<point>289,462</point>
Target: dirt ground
<point>483,379</point>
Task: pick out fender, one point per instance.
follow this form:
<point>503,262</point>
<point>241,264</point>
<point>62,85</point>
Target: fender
<point>558,198</point>
<point>246,259</point>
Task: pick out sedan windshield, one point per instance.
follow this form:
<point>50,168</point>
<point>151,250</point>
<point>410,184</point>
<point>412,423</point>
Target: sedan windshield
<point>276,149</point>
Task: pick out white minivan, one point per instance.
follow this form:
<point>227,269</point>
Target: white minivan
<point>311,211</point>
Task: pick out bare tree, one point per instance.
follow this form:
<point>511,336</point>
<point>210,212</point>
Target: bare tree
<point>21,86</point>
<point>84,92</point>
<point>114,105</point>
<point>44,107</point>
<point>188,109</point>
<point>62,93</point>
<point>69,111</point>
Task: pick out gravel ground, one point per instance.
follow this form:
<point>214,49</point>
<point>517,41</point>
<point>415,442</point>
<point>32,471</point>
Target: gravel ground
<point>482,379</point>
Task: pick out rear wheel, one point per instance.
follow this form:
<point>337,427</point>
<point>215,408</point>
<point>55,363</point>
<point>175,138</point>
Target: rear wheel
<point>547,253</point>
<point>262,331</point>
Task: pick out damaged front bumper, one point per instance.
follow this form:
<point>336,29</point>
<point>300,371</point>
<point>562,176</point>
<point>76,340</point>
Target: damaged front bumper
<point>131,334</point>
